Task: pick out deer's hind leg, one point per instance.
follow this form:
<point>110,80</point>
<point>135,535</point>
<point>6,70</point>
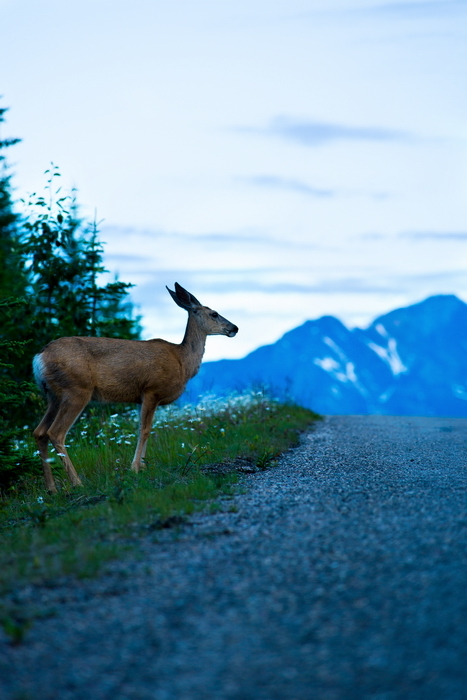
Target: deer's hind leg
<point>69,409</point>
<point>41,435</point>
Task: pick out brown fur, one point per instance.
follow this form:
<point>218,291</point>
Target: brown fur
<point>74,371</point>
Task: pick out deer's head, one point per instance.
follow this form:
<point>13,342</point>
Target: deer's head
<point>209,321</point>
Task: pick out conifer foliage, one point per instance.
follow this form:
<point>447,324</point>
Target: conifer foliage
<point>14,395</point>
<point>12,277</point>
<point>51,268</point>
<point>64,262</point>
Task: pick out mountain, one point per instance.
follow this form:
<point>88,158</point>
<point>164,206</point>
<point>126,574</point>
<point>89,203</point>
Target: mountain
<point>411,361</point>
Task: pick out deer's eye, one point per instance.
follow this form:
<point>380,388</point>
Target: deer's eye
<point>215,314</point>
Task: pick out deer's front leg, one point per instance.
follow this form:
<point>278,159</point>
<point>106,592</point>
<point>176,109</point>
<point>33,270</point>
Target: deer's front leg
<point>148,408</point>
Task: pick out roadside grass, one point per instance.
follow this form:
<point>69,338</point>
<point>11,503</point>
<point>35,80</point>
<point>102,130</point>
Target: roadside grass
<point>76,531</point>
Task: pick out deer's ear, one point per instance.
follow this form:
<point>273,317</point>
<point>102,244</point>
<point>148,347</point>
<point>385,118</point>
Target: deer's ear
<point>183,298</point>
<point>183,294</point>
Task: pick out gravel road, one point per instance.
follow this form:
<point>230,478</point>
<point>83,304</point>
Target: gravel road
<point>341,576</point>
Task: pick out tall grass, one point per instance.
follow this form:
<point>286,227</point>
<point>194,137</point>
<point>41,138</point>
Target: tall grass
<point>75,531</point>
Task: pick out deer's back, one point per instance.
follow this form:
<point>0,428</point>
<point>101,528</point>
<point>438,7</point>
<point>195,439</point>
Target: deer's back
<point>113,369</point>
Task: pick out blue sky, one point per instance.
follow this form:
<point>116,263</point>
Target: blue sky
<point>281,159</point>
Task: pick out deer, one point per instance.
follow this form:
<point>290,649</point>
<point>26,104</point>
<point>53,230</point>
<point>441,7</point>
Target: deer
<point>72,371</point>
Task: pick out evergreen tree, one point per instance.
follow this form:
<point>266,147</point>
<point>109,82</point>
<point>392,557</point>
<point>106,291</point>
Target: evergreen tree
<point>13,283</point>
<point>14,463</point>
<point>50,268</point>
<point>12,275</point>
<point>64,264</point>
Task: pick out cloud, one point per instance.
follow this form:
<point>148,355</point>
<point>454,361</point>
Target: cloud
<point>282,183</point>
<point>129,259</point>
<point>122,232</point>
<point>372,236</point>
<point>435,235</point>
<point>415,236</point>
<point>418,9</point>
<point>265,280</point>
<point>346,285</point>
<point>396,10</point>
<point>163,245</point>
<point>314,133</point>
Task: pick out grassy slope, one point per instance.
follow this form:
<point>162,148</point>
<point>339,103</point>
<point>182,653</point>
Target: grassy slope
<point>77,530</point>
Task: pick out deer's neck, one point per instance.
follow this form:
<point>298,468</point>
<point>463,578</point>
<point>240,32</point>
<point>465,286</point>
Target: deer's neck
<point>192,347</point>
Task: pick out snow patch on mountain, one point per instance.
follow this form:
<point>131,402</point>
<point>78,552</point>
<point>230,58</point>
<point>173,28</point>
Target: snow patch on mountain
<point>344,370</point>
<point>327,363</point>
<point>389,355</point>
<point>344,373</point>
<point>381,330</point>
<point>459,391</point>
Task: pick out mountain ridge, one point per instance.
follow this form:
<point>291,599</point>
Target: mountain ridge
<point>409,361</point>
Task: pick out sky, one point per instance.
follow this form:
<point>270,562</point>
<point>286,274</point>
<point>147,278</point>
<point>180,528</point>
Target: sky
<point>281,159</point>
